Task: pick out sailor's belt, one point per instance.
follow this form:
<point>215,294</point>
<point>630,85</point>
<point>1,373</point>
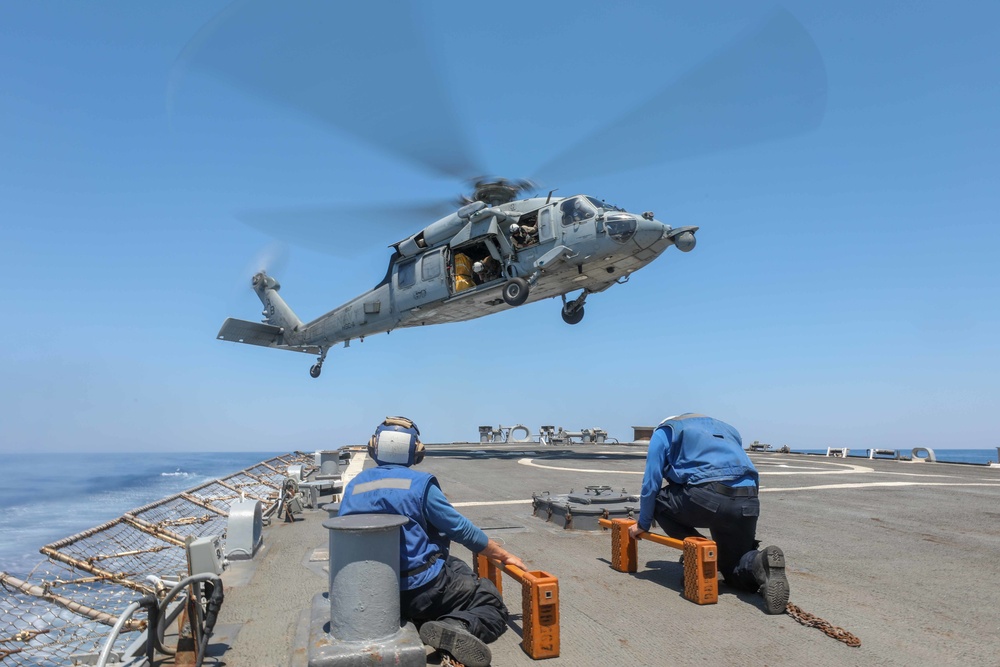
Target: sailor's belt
<point>731,491</point>
<point>422,568</point>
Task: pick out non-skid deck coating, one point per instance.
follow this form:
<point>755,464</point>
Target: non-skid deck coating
<point>903,555</point>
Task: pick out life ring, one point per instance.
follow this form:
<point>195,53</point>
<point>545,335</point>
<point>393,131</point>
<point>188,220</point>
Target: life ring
<point>519,427</point>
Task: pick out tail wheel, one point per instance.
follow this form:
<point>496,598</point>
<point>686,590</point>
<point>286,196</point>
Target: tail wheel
<point>317,368</point>
<point>572,315</point>
<point>515,291</point>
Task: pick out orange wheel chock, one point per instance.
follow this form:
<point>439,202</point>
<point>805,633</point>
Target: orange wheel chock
<point>539,605</point>
<point>701,584</point>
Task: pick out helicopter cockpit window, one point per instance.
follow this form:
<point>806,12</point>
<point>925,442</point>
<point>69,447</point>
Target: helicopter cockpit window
<point>605,205</point>
<point>406,273</point>
<point>620,226</point>
<point>576,210</point>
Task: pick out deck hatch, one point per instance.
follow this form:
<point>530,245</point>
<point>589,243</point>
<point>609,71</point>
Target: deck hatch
<point>582,511</point>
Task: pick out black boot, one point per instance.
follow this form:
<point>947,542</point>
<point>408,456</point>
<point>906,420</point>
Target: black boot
<point>769,571</point>
<point>451,635</point>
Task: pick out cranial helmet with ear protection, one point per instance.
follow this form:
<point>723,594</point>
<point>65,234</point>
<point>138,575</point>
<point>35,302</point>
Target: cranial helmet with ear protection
<point>396,441</point>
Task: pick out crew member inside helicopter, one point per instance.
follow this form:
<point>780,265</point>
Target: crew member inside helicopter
<point>455,610</point>
<point>523,235</point>
<point>485,270</point>
<point>576,210</point>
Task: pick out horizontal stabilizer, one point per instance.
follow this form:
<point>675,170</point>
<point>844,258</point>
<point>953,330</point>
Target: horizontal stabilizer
<point>256,333</point>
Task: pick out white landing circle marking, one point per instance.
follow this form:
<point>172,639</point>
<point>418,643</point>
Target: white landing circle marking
<point>848,468</point>
<point>494,502</point>
<point>810,468</point>
<point>530,462</point>
<point>844,469</point>
<point>925,474</point>
<point>865,485</point>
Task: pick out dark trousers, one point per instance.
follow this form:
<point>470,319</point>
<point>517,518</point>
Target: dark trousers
<point>731,521</point>
<point>459,594</point>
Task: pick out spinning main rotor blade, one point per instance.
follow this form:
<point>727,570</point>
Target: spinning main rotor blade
<point>767,85</point>
<point>343,230</point>
<point>361,67</point>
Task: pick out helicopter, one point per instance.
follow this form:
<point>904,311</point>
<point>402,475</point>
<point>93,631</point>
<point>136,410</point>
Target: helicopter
<point>503,246</point>
<point>492,254</point>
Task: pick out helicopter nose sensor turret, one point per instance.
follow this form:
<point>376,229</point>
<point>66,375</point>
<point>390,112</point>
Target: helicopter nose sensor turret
<point>685,241</point>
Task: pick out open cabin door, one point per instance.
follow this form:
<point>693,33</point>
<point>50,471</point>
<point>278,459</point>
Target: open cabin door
<point>477,245</point>
<point>546,231</point>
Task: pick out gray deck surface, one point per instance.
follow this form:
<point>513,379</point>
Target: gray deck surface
<point>903,555</point>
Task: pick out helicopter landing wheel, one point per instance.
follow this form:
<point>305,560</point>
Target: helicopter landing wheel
<point>515,291</point>
<point>572,315</point>
<point>317,368</point>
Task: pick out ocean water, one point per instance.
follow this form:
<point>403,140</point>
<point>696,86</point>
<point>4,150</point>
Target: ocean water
<point>50,496</point>
<point>942,455</point>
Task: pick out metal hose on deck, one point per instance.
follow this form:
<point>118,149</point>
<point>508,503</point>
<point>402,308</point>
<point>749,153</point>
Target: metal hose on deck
<point>102,659</point>
<point>156,611</point>
<point>214,603</point>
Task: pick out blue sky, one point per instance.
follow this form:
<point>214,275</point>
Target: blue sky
<point>843,291</point>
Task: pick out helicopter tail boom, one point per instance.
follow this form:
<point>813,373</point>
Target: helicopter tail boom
<point>276,311</point>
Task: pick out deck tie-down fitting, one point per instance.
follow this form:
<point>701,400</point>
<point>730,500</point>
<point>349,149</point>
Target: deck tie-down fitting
<point>539,605</point>
<point>358,621</point>
<point>701,584</point>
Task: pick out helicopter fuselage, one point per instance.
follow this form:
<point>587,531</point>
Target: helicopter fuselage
<point>478,261</point>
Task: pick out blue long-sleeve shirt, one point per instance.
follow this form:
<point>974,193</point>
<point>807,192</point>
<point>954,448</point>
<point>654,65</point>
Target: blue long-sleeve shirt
<point>451,523</point>
<point>658,460</point>
<point>652,478</point>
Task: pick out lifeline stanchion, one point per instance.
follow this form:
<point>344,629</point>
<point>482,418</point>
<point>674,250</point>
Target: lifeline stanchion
<point>701,584</point>
<point>539,605</point>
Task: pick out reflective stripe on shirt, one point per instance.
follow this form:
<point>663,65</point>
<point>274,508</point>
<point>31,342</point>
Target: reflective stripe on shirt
<point>388,483</point>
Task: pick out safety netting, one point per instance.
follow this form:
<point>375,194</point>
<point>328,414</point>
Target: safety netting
<point>65,607</point>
